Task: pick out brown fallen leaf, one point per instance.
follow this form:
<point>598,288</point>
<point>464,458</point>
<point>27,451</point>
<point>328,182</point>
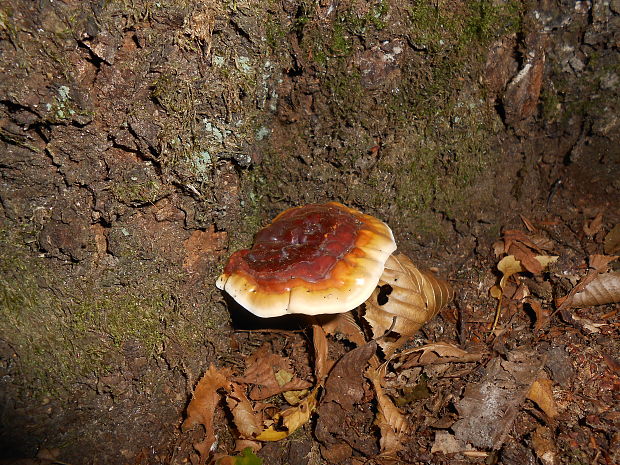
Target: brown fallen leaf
<point>509,266</point>
<point>322,363</point>
<point>292,397</point>
<point>515,236</point>
<point>604,289</point>
<point>490,404</point>
<point>202,406</point>
<point>345,383</point>
<point>393,417</point>
<point>544,445</point>
<point>247,421</point>
<point>390,441</point>
<point>438,352</point>
<point>598,264</point>
<point>594,226</point>
<point>261,369</point>
<point>339,420</point>
<point>611,243</point>
<point>542,314</point>
<point>342,323</point>
<point>541,393</point>
<point>405,299</point>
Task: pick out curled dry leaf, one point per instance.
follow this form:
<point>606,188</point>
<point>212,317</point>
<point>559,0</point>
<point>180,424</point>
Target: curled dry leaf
<point>598,265</point>
<point>261,369</point>
<point>322,364</point>
<point>509,265</point>
<point>286,422</point>
<point>412,296</point>
<point>345,324</point>
<point>392,423</point>
<point>202,406</point>
<point>248,422</point>
<point>541,392</point>
<point>438,352</point>
<point>604,289</point>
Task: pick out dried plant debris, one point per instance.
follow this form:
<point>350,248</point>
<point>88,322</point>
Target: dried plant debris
<point>612,240</point>
<point>436,353</point>
<point>489,406</point>
<point>391,421</point>
<point>604,289</point>
<point>267,372</point>
<point>202,406</point>
<point>379,404</point>
<point>339,422</point>
<point>405,299</point>
<point>541,393</point>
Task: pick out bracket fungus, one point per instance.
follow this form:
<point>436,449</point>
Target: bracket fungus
<point>313,259</point>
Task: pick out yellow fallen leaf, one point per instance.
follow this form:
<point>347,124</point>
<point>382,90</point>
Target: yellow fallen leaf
<point>290,419</point>
<point>546,260</point>
<point>541,393</point>
<point>293,397</point>
<point>509,266</point>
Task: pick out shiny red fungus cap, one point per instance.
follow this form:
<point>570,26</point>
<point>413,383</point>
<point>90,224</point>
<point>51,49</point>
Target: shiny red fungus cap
<point>320,258</point>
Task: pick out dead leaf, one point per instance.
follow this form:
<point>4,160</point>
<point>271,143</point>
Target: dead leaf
<point>293,397</point>
<point>322,364</point>
<point>612,240</point>
<point>438,352</point>
<point>247,421</point>
<point>528,223</point>
<point>526,257</point>
<point>202,406</point>
<point>339,421</point>
<point>541,393</point>
<point>542,315</point>
<point>261,369</point>
<point>289,420</point>
<point>515,236</point>
<point>510,266</point>
<point>411,296</point>
<point>604,289</point>
<point>345,383</point>
<point>544,445</point>
<point>397,421</point>
<point>345,324</point>
<point>391,441</point>
<point>594,226</point>
<point>598,264</point>
<point>490,405</point>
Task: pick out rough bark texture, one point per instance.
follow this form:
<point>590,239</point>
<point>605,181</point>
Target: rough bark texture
<point>141,141</point>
